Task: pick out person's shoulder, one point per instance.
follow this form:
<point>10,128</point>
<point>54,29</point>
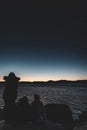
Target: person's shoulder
<point>5,77</point>
<point>41,103</point>
<point>17,78</point>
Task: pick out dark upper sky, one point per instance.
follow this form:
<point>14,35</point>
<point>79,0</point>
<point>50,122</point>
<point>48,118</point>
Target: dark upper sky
<point>42,43</point>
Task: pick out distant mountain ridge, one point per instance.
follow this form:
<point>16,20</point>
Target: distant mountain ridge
<point>55,83</point>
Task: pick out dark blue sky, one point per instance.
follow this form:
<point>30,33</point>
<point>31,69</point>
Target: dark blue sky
<point>44,43</point>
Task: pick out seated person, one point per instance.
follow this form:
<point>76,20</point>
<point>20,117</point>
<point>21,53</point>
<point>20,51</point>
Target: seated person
<point>23,109</point>
<point>37,110</point>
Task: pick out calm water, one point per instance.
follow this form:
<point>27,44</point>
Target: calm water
<point>74,97</point>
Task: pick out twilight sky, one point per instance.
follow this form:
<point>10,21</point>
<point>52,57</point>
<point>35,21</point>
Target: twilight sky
<point>41,43</point>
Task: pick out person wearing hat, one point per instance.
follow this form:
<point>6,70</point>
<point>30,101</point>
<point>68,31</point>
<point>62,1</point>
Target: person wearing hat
<point>10,91</point>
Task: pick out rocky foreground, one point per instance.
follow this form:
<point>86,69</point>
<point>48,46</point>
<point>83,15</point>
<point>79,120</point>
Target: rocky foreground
<point>59,117</point>
<point>81,126</point>
<point>46,126</point>
<point>29,126</point>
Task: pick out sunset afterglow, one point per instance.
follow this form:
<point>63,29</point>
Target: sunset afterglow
<point>46,46</point>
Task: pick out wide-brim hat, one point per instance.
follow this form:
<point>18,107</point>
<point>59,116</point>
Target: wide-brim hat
<point>11,76</point>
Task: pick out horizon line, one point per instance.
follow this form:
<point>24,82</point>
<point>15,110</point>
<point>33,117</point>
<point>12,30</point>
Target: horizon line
<point>47,80</point>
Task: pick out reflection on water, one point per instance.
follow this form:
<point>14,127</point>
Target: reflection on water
<point>75,97</point>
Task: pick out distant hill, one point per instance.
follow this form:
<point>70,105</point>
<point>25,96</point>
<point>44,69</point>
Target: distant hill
<point>56,83</point>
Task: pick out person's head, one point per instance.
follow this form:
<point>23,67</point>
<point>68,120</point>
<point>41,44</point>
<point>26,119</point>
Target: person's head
<point>23,100</point>
<point>36,97</point>
<point>11,74</point>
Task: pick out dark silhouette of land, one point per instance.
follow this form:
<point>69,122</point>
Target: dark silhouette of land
<point>51,83</point>
<point>54,83</point>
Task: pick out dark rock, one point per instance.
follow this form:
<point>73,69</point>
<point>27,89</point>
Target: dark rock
<point>60,113</point>
<point>83,116</point>
<point>81,126</point>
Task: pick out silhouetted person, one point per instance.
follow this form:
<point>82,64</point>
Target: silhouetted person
<point>37,110</point>
<point>10,91</point>
<point>9,96</point>
<point>23,108</point>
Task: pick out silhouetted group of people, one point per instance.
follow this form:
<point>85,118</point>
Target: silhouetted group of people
<point>21,110</point>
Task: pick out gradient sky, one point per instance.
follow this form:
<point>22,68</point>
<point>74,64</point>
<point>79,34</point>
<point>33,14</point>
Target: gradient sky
<point>41,43</point>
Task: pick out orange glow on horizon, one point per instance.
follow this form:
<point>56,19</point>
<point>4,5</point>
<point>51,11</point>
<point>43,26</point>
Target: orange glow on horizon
<point>31,79</point>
